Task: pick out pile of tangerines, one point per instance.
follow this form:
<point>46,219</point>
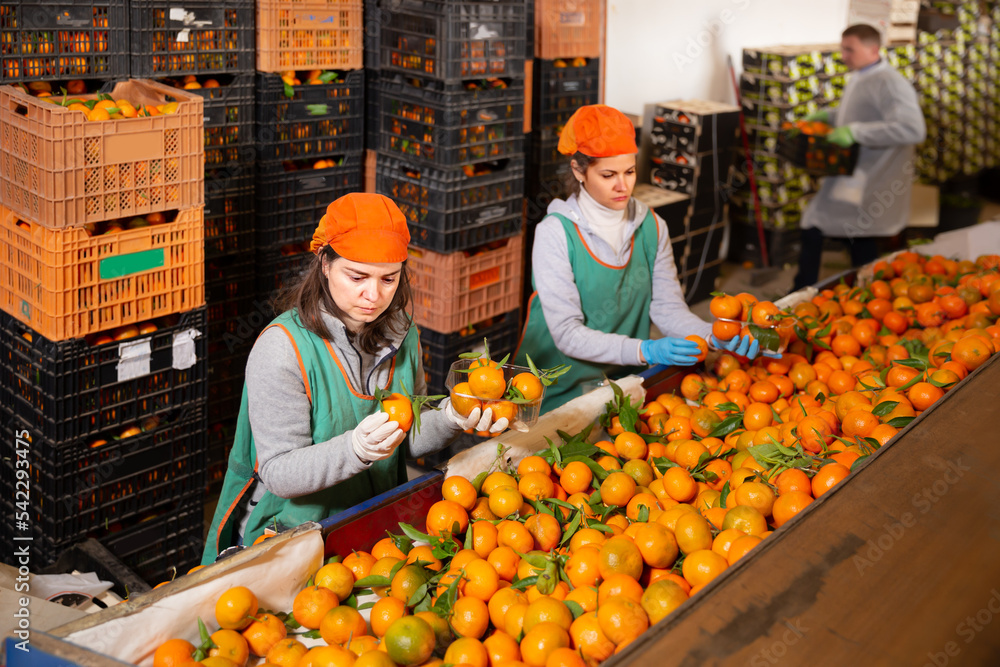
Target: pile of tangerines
<point>567,558</point>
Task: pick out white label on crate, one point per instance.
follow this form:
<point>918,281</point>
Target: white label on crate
<point>177,13</point>
<point>184,352</point>
<point>482,31</point>
<point>133,359</point>
<point>183,35</point>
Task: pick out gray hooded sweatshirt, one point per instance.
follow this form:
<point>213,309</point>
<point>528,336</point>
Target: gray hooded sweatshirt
<point>560,299</point>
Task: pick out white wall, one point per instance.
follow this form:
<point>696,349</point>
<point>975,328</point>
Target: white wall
<point>672,49</point>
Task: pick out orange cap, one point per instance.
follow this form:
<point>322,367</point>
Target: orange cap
<point>363,227</point>
<point>598,130</point>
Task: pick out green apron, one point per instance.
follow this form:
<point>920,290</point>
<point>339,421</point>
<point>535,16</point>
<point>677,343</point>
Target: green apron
<point>614,299</point>
<point>336,408</point>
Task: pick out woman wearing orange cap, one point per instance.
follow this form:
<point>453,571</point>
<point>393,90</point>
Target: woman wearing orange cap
<point>310,439</point>
<point>603,270</point>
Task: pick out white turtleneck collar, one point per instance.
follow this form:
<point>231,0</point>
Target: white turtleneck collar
<point>606,223</point>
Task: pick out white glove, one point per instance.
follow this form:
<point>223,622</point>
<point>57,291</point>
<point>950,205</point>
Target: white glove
<point>376,438</point>
<point>478,419</point>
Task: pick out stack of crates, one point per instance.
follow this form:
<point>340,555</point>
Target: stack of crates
<point>690,148</point>
<point>565,75</point>
<point>103,324</point>
<point>310,129</point>
<point>207,49</point>
<point>779,85</point>
<point>451,155</point>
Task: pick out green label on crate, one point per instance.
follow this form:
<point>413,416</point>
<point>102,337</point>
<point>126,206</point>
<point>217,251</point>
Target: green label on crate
<point>136,262</point>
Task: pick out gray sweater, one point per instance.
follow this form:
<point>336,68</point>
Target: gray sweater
<point>560,299</point>
<point>290,464</point>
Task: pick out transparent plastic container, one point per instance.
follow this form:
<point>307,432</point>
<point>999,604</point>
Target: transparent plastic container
<point>527,413</point>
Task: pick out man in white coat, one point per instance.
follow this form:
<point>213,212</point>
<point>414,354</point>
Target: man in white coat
<point>880,111</point>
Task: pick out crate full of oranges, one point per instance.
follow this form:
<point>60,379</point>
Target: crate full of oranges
<point>71,159</point>
<point>805,143</point>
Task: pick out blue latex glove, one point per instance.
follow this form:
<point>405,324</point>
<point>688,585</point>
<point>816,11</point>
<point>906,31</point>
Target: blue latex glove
<point>841,136</point>
<point>744,346</point>
<point>670,351</point>
<point>822,116</point>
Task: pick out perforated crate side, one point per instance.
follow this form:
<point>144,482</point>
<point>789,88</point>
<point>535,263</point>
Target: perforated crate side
<point>470,237</point>
<point>68,390</point>
<point>229,223</point>
<point>64,284</point>
<point>568,28</point>
<point>448,199</point>
<point>229,295</point>
<point>560,91</point>
<point>451,41</point>
<point>61,170</point>
<point>291,203</point>
<point>46,41</point>
<point>275,270</point>
<point>318,121</point>
<point>451,127</point>
<point>440,350</point>
<point>450,291</point>
<point>309,35</point>
<point>195,37</point>
<point>83,489</point>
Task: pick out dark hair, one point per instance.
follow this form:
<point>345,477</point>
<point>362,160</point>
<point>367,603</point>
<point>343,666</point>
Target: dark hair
<point>865,33</point>
<point>583,162</point>
<point>310,294</point>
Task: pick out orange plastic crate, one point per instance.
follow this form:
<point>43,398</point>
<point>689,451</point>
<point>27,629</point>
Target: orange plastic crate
<point>64,283</point>
<point>309,34</point>
<point>568,29</point>
<point>60,170</point>
<point>453,291</point>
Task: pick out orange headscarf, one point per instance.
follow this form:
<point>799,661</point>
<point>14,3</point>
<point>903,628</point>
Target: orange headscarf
<point>598,130</point>
<point>363,227</point>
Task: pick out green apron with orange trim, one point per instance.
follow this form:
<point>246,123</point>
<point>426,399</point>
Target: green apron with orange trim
<point>614,300</point>
<point>336,408</point>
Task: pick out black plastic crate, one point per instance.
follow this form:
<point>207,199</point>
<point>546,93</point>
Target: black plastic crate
<point>315,122</point>
<point>92,556</point>
<point>548,173</point>
<point>469,237</point>
<point>42,40</point>
<point>373,113</point>
<point>561,87</point>
<point>166,545</point>
<point>376,13</point>
<point>276,267</point>
<point>229,222</point>
<point>291,203</point>
<point>84,489</point>
<point>441,350</point>
<point>229,98</point>
<point>229,295</point>
<point>193,37</point>
<point>66,391</point>
<point>452,41</point>
<point>451,124</point>
<point>449,200</point>
<point>816,154</point>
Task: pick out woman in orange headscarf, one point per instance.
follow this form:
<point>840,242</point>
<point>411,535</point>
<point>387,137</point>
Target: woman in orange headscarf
<point>311,439</point>
<point>603,270</point>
